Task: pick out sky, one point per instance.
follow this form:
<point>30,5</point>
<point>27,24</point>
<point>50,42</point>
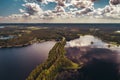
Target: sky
<point>59,11</point>
<point>8,7</point>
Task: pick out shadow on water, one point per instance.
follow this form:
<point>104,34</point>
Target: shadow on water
<point>98,63</point>
<point>99,70</point>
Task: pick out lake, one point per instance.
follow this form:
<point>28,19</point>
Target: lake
<point>1,26</point>
<point>17,63</point>
<point>100,62</point>
<point>6,37</point>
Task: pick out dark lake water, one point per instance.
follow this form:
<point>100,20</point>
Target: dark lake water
<point>17,63</point>
<point>100,62</point>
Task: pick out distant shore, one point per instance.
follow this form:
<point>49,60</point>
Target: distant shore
<point>22,45</point>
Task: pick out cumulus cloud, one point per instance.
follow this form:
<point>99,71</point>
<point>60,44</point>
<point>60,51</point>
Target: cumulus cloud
<point>83,11</point>
<point>76,8</point>
<point>109,11</point>
<point>32,8</point>
<point>114,2</point>
<point>82,4</point>
<point>42,9</point>
<point>15,16</point>
<point>59,9</point>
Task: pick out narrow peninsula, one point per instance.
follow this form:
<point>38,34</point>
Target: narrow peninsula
<point>56,63</point>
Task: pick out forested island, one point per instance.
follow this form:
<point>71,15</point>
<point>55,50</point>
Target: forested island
<point>23,35</point>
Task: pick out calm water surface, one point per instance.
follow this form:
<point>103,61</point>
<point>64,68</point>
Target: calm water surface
<point>17,63</point>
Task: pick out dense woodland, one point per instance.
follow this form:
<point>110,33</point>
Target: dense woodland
<point>26,35</point>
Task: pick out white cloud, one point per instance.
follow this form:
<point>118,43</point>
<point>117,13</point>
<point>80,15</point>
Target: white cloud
<point>32,8</point>
<point>109,11</point>
<point>82,3</point>
<point>21,10</point>
<point>59,9</point>
<point>67,9</point>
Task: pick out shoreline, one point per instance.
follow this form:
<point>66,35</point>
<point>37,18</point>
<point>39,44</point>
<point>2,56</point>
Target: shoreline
<point>23,45</point>
<point>41,41</point>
